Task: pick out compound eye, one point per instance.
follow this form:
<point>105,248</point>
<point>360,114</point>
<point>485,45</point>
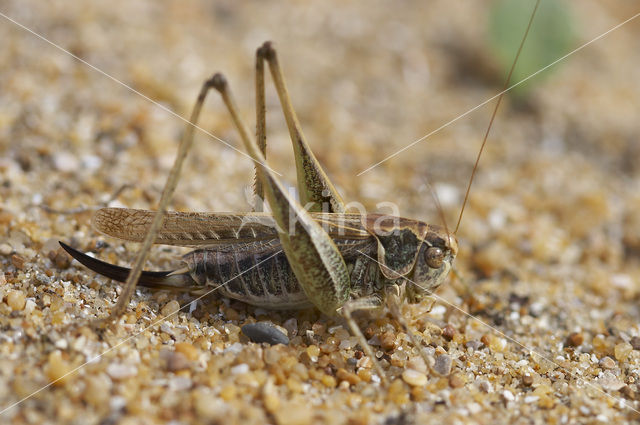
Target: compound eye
<point>434,257</point>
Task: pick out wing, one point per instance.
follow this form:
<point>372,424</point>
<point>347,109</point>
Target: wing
<point>198,228</point>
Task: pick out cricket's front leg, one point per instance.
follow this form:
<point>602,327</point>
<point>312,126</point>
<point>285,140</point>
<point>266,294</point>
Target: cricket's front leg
<point>314,258</point>
<point>368,303</point>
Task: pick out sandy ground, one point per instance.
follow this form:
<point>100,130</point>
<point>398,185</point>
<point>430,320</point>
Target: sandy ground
<point>549,242</point>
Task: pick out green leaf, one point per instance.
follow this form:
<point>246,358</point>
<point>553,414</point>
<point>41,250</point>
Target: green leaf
<point>550,37</point>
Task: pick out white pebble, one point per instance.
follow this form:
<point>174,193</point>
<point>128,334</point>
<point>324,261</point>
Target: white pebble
<point>240,369</point>
<point>414,378</point>
<point>64,161</point>
<point>121,371</point>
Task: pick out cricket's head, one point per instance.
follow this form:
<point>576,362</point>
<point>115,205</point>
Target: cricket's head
<point>433,263</point>
<point>414,250</point>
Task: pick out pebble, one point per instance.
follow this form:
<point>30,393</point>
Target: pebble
<point>607,363</point>
<point>485,386</point>
<point>189,351</point>
<point>448,332</point>
<point>344,375</point>
<point>635,342</point>
<point>417,363</point>
<point>265,332</point>
<point>414,378</point>
<point>170,308</point>
<point>291,325</point>
<point>628,392</point>
<point>176,361</point>
<point>17,261</point>
<point>180,383</point>
<point>527,380</point>
<point>622,351</point>
<point>388,340</point>
<point>98,389</point>
<point>474,345</point>
<point>16,300</point>
<point>508,395</point>
<point>240,369</point>
<point>610,382</point>
<point>575,339</point>
<point>121,371</point>
<point>58,368</point>
<point>5,249</point>
<point>443,364</point>
<point>456,381</point>
<point>294,413</point>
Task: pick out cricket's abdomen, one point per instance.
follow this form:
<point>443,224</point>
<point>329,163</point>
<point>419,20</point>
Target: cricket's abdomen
<point>260,274</point>
<point>258,277</point>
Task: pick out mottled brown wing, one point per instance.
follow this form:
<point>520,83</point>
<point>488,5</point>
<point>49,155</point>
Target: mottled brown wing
<point>201,228</point>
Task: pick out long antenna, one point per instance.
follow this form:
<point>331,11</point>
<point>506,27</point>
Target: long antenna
<point>434,195</point>
<point>493,115</point>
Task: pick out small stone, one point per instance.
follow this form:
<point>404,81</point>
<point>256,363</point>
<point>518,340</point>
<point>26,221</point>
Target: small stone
<point>527,380</point>
<point>176,361</point>
<point>265,332</point>
<point>65,161</point>
<point>189,351</point>
<point>443,364</point>
<point>414,378</point>
<point>17,261</point>
<point>485,339</point>
<point>328,381</point>
<point>16,299</point>
<point>628,392</point>
<point>622,351</point>
<point>30,306</point>
<point>313,352</point>
<point>364,374</point>
<point>170,308</point>
<point>607,363</point>
<point>600,344</point>
<point>474,345</point>
<point>575,339</point>
<point>344,375</point>
<point>240,369</point>
<point>485,386</point>
<point>291,325</point>
<point>448,332</point>
<point>388,340</point>
<point>121,371</point>
<point>5,249</point>
<point>228,392</point>
<point>270,397</point>
<point>97,390</point>
<point>417,363</point>
<point>610,382</point>
<point>456,381</point>
<point>61,259</point>
<point>58,369</point>
<point>294,413</point>
<point>508,395</point>
<point>208,406</point>
<point>635,342</point>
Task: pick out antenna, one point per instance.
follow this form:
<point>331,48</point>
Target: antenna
<point>434,195</point>
<point>493,115</point>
